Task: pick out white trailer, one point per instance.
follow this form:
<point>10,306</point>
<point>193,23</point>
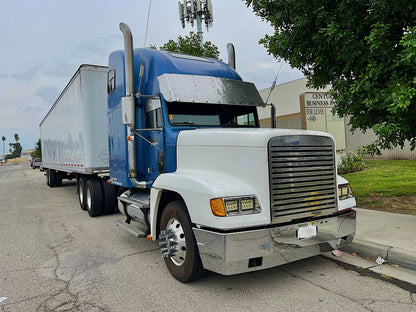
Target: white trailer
<point>74,137</point>
<point>74,133</point>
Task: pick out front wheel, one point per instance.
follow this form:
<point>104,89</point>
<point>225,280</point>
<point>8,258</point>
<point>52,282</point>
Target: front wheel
<point>178,243</point>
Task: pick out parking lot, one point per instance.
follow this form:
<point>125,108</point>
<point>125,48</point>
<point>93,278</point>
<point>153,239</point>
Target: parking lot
<point>54,257</point>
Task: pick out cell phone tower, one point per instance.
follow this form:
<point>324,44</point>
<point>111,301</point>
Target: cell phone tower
<point>196,10</point>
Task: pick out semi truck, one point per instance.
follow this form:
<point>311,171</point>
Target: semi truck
<point>173,142</point>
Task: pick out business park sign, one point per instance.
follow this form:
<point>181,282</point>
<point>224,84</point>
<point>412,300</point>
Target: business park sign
<point>316,114</point>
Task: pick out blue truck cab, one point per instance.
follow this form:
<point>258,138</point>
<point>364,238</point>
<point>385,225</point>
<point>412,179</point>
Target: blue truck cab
<point>159,122</point>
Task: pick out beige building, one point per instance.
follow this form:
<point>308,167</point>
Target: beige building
<point>300,107</point>
<point>26,154</point>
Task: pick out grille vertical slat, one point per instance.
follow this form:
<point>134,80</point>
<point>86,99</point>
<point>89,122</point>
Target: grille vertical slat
<point>302,177</point>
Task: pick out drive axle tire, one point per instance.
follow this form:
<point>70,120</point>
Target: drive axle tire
<point>94,198</point>
<point>186,265</point>
<point>58,179</point>
<point>109,198</point>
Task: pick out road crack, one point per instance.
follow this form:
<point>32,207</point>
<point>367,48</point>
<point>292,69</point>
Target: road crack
<point>329,290</point>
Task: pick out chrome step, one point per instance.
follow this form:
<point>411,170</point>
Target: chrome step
<point>130,228</point>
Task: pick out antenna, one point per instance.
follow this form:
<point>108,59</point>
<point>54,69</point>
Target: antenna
<point>199,10</point>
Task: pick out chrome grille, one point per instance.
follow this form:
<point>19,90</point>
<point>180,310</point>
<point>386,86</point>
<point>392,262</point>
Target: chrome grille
<point>302,177</point>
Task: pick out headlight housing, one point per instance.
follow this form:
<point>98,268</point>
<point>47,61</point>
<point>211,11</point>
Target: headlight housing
<point>345,191</point>
<point>234,206</point>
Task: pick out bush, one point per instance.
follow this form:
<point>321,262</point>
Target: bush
<point>352,162</point>
<point>8,156</point>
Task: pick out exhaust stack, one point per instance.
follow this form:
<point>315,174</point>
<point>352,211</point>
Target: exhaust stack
<point>128,105</point>
<point>231,55</point>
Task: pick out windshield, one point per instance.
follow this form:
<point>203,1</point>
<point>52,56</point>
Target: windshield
<point>210,115</point>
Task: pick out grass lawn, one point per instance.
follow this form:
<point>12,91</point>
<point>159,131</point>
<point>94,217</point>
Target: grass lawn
<point>387,185</point>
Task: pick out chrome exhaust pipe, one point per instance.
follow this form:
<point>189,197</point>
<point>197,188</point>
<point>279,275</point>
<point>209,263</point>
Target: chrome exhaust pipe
<point>231,55</point>
<point>130,101</point>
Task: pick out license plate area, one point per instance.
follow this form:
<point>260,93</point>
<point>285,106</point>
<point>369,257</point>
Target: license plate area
<point>307,231</point>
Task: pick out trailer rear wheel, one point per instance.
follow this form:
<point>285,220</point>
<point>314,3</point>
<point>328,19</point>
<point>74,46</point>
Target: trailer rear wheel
<point>52,178</point>
<point>184,263</point>
<point>109,198</point>
<point>94,198</point>
<point>82,192</point>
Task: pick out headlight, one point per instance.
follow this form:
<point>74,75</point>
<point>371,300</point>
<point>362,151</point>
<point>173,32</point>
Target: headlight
<point>345,191</point>
<point>233,206</point>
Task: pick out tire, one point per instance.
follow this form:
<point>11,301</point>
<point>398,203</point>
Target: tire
<point>109,198</point>
<point>47,177</point>
<point>94,198</point>
<point>52,178</point>
<point>186,265</point>
<point>58,179</point>
<point>82,192</point>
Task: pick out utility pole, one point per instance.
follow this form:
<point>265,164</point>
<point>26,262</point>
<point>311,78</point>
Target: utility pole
<point>196,10</point>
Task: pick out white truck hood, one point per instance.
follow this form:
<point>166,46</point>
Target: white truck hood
<point>242,137</point>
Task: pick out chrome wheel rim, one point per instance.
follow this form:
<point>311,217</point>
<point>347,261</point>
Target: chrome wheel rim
<point>176,227</point>
<point>81,193</point>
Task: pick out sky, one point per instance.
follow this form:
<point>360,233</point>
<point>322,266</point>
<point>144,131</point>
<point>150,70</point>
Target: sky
<point>43,42</point>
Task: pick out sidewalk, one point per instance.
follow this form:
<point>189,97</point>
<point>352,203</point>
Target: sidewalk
<point>389,235</point>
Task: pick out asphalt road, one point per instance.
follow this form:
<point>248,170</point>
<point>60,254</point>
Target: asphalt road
<point>54,257</point>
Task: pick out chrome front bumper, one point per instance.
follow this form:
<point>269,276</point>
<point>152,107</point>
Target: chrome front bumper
<point>239,252</point>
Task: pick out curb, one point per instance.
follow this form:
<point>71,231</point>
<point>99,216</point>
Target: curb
<point>403,257</point>
<point>397,275</point>
<point>393,255</point>
<point>367,249</point>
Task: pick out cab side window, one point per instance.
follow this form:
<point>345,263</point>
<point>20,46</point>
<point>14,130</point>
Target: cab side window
<point>153,114</point>
<point>153,119</point>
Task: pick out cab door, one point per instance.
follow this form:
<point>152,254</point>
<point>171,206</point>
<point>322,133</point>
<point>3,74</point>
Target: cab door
<point>154,139</point>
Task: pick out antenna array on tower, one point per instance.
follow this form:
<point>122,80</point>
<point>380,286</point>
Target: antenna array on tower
<point>191,10</point>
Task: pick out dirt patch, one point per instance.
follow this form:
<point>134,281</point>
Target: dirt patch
<point>402,204</point>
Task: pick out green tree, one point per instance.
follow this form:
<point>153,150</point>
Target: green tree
<point>366,49</point>
<point>37,153</point>
<point>190,45</point>
<point>15,148</point>
<point>8,156</point>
